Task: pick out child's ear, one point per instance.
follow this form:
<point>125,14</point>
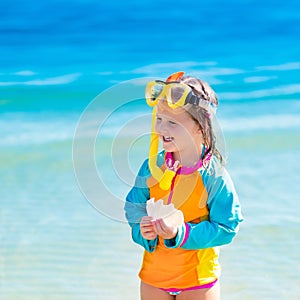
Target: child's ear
<point>197,128</point>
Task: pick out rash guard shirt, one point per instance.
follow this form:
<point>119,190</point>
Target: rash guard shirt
<point>212,215</point>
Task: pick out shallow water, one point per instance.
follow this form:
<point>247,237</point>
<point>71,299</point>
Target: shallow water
<point>56,58</point>
<point>57,245</point>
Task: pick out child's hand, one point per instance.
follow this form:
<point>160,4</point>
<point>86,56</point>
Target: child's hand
<point>147,229</point>
<point>164,231</point>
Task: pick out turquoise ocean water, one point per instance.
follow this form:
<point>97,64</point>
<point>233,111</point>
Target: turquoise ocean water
<point>73,136</point>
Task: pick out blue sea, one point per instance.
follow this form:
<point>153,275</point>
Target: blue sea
<point>75,129</point>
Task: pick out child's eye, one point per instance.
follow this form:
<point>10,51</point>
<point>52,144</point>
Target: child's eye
<point>158,119</point>
<point>172,123</point>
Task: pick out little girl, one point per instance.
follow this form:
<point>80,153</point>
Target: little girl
<point>181,261</point>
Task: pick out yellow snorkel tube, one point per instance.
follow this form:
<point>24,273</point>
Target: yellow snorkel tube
<point>164,178</point>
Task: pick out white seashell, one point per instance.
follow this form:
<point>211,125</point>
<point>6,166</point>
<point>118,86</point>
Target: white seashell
<point>176,219</point>
<point>170,215</point>
<point>150,207</point>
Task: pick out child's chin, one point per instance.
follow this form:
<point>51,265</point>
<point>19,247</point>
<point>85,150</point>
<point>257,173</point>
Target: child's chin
<point>169,147</point>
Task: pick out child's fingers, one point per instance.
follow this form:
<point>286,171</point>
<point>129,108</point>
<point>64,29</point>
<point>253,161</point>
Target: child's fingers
<point>163,230</point>
<point>147,231</point>
<point>159,226</point>
<point>146,220</point>
<point>150,236</point>
<point>146,225</point>
<point>147,228</point>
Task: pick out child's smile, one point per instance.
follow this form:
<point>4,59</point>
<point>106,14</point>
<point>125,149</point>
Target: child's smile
<point>179,133</point>
<point>168,139</point>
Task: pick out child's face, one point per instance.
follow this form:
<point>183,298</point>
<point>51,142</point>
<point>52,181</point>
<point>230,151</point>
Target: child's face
<point>178,131</point>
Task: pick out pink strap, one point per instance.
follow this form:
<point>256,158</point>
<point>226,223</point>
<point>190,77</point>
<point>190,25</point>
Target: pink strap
<point>184,170</point>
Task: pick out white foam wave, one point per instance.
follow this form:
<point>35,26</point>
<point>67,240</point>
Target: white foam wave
<point>32,130</point>
<point>216,75</point>
<point>160,68</point>
<point>127,125</point>
<point>64,79</point>
<point>188,67</point>
<point>264,122</point>
<point>256,79</point>
<point>206,70</point>
<point>35,137</point>
<point>24,73</point>
<point>282,67</point>
<point>289,89</point>
<point>19,131</point>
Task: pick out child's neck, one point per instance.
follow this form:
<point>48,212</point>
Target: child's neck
<point>187,159</point>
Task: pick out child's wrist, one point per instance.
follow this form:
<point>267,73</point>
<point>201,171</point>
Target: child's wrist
<point>175,242</point>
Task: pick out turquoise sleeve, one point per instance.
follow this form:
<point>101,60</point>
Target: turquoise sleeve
<point>224,216</point>
<point>135,207</point>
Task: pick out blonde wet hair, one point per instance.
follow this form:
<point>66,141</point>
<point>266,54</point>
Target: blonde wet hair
<point>201,115</point>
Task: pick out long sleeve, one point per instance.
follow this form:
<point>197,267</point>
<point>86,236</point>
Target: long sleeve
<point>224,216</point>
<point>135,207</point>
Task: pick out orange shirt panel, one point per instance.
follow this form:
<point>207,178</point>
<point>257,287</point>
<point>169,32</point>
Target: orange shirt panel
<point>180,268</point>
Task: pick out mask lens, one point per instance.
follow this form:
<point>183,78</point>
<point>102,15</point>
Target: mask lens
<point>176,93</point>
<point>153,92</point>
<point>156,90</point>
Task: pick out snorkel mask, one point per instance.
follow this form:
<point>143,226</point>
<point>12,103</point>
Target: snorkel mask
<point>177,94</point>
